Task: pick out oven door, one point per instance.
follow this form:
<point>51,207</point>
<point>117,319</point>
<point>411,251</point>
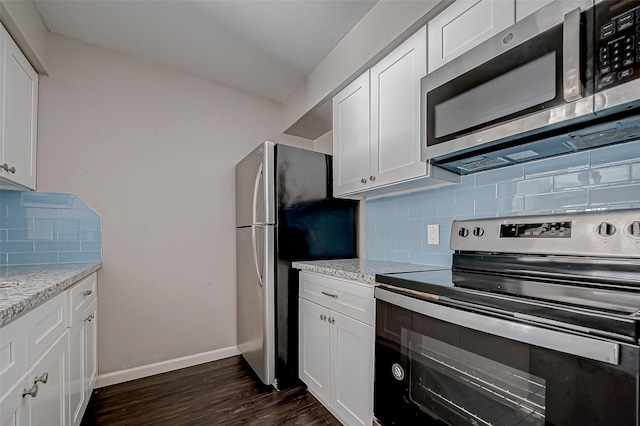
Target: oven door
<point>534,76</point>
<point>436,364</point>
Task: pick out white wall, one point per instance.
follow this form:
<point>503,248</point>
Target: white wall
<point>153,151</point>
<point>324,143</point>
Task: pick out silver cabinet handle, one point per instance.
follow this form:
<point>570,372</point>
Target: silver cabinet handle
<point>5,166</point>
<point>572,89</point>
<point>32,392</point>
<point>90,318</point>
<point>323,317</point>
<point>372,178</point>
<point>42,379</point>
<point>87,293</point>
<point>335,296</point>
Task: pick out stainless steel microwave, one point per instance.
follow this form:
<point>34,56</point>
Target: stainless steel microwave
<point>561,80</point>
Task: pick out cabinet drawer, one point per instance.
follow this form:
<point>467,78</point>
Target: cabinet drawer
<point>44,325</point>
<point>81,295</point>
<point>13,356</point>
<point>349,298</point>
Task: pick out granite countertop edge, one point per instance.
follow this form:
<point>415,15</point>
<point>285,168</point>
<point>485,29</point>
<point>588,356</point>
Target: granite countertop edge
<point>336,272</point>
<point>35,291</point>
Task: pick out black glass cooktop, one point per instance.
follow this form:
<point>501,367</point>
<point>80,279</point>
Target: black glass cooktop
<point>601,306</point>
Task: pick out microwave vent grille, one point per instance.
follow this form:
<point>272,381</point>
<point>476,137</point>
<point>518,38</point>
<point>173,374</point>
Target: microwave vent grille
<point>483,163</point>
<point>594,140</point>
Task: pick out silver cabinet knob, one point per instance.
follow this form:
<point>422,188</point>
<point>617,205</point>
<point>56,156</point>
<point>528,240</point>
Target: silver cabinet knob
<point>323,317</point>
<point>372,178</point>
<point>5,166</point>
<point>331,320</point>
<point>90,318</point>
<point>42,379</point>
<point>363,180</point>
<point>32,392</point>
<point>87,293</point>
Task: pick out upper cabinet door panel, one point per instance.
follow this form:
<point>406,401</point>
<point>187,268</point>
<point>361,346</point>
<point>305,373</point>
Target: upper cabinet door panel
<point>395,112</point>
<point>20,100</point>
<point>464,25</point>
<point>351,136</point>
<point>525,8</point>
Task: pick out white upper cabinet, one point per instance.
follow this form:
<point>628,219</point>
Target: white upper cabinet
<point>18,110</point>
<point>525,8</point>
<point>464,25</point>
<point>351,136</point>
<point>395,112</point>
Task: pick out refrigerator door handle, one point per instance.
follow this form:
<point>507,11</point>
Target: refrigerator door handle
<point>256,188</point>
<point>254,252</point>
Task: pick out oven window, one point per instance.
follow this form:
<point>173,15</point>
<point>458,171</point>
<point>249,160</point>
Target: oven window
<point>471,387</point>
<point>517,90</point>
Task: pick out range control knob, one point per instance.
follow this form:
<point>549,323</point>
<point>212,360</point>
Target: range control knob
<point>463,232</point>
<point>605,229</point>
<point>478,232</point>
<point>634,229</point>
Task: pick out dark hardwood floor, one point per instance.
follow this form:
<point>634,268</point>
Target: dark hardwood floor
<point>224,392</point>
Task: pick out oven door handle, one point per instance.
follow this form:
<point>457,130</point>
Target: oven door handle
<point>572,83</point>
<point>587,347</point>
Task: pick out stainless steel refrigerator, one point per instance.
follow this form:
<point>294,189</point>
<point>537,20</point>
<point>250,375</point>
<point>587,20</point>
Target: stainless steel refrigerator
<point>284,212</point>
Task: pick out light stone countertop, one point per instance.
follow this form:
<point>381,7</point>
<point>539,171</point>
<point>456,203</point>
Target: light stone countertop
<point>23,287</point>
<point>362,270</point>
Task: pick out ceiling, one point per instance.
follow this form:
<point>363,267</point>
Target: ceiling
<point>265,47</point>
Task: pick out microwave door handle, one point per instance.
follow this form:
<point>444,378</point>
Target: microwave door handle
<point>572,84</point>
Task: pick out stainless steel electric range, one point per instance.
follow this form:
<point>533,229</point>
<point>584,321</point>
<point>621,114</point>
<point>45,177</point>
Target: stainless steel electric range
<point>536,323</point>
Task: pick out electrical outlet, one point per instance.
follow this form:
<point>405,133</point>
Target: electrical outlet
<point>433,234</point>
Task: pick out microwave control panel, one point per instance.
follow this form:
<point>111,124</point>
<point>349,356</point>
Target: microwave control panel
<point>617,36</point>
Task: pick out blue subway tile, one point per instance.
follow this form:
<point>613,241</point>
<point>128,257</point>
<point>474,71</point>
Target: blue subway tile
<point>31,212</point>
<point>3,259</point>
<point>90,225</point>
<point>397,256</point>
<point>500,205</point>
<point>32,258</point>
<point>17,234</point>
<point>500,175</point>
<point>40,224</point>
<point>16,247</point>
<point>393,237</point>
<point>374,236</point>
<point>409,202</point>
<point>14,223</point>
<point>615,153</point>
<point>89,235</point>
<point>3,235</point>
<point>462,208</point>
<point>409,246</point>
<point>447,196</point>
<point>557,200</point>
<point>414,225</point>
<point>40,235</point>
<point>369,227</point>
<point>67,224</point>
<point>11,198</point>
<point>619,195</point>
<point>64,235</point>
<point>524,187</point>
<point>45,200</point>
<point>374,254</point>
<point>77,203</point>
<point>91,246</point>
<point>77,214</point>
<point>50,246</point>
<point>390,226</point>
<point>593,177</point>
<point>79,257</point>
<point>475,193</point>
<point>546,166</point>
<point>395,214</point>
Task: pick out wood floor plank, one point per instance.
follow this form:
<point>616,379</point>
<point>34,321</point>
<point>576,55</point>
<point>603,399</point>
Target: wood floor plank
<point>224,392</point>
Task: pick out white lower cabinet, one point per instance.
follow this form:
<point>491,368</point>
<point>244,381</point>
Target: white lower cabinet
<point>52,350</point>
<point>336,350</point>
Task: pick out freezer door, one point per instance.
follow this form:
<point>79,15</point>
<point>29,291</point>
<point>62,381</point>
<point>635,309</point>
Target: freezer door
<point>255,201</point>
<point>255,298</point>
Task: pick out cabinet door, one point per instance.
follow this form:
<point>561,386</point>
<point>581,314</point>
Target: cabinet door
<point>49,407</point>
<point>464,25</point>
<point>14,408</point>
<point>525,8</point>
<point>77,368</point>
<point>19,105</point>
<point>91,348</point>
<point>314,348</point>
<point>395,112</point>
<point>351,389</point>
<point>351,137</point>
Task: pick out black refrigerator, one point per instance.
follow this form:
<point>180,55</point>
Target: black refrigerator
<point>285,212</point>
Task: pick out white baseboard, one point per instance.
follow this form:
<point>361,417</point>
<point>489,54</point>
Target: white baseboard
<point>164,366</point>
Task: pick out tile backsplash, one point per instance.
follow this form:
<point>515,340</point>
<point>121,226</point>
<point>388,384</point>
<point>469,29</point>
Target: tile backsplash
<point>40,227</point>
<point>605,178</point>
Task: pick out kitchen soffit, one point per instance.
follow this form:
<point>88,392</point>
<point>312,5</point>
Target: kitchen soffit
<point>264,47</point>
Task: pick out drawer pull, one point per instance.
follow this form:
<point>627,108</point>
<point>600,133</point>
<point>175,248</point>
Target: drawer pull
<point>43,379</point>
<point>335,296</point>
<point>87,293</point>
<point>32,392</point>
<point>89,318</point>
<point>323,317</point>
